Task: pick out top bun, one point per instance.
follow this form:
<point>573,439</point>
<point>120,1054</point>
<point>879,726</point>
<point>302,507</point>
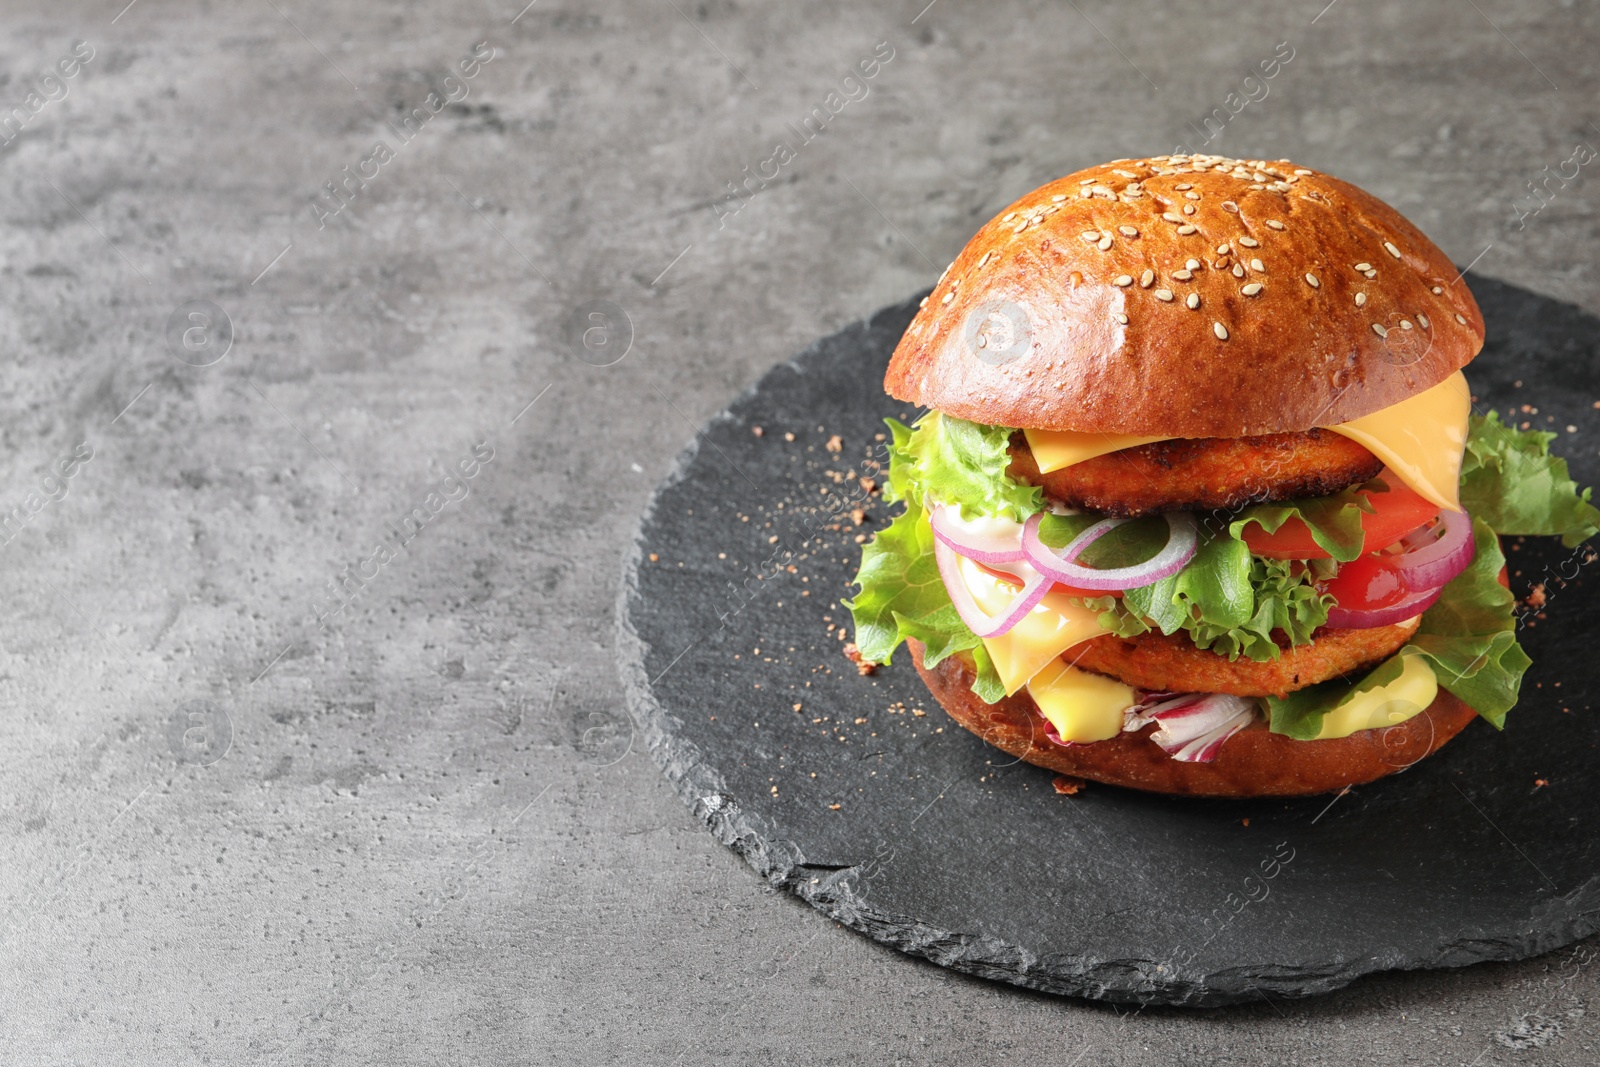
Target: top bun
<point>1188,296</point>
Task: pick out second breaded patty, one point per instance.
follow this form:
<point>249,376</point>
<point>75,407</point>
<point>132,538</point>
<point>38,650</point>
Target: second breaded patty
<point>1172,664</point>
<point>1198,474</point>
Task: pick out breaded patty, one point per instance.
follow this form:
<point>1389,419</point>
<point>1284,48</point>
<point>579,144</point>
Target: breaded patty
<point>1198,474</point>
<point>1157,662</point>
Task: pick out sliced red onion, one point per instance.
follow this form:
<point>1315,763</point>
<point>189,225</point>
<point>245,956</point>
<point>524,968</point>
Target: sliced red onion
<point>1034,588</point>
<point>1436,554</point>
<point>1192,726</point>
<point>1342,618</point>
<point>988,540</point>
<point>1062,566</point>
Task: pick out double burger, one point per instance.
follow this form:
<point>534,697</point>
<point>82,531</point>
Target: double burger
<point>1200,503</point>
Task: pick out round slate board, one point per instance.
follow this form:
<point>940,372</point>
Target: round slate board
<point>858,794</point>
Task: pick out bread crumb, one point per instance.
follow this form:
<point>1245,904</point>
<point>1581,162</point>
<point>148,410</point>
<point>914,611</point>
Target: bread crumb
<point>859,515</point>
<point>853,654</point>
<point>835,443</point>
<point>788,437</point>
<point>868,485</point>
<point>1244,822</point>
<point>1536,596</point>
<point>834,807</point>
<point>758,431</point>
<point>654,558</point>
<point>1068,786</point>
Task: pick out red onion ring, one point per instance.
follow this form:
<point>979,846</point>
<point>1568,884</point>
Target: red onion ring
<point>989,549</point>
<point>985,625</point>
<point>1180,549</point>
<point>1429,563</point>
<point>1341,618</point>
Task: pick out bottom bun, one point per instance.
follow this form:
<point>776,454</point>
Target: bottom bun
<point>1255,762</point>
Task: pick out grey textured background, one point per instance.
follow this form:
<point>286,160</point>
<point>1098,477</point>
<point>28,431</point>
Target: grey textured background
<point>418,831</point>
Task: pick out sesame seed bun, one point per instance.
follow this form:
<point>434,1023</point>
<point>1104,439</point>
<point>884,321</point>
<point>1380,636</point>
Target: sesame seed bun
<point>1253,763</point>
<point>1188,296</point>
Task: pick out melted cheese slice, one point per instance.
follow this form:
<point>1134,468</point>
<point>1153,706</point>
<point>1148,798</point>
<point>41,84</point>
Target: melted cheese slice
<point>1054,625</point>
<point>1421,439</point>
<point>1055,449</point>
<point>1401,699</point>
<point>1083,707</point>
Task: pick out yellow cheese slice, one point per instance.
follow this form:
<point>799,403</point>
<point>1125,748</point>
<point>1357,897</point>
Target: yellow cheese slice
<point>1386,705</point>
<point>1055,449</point>
<point>1083,707</point>
<point>1421,439</point>
<point>1054,625</point>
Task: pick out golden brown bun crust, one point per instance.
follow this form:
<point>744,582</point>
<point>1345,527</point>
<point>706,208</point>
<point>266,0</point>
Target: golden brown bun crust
<point>1163,663</point>
<point>1253,763</point>
<point>1199,474</point>
<point>1295,354</point>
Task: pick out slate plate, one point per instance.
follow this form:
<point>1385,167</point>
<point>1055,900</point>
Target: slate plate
<point>870,805</point>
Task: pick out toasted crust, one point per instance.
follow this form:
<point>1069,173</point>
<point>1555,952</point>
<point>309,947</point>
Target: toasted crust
<point>1039,287</point>
<point>1253,763</point>
<point>1205,473</point>
<point>1172,664</point>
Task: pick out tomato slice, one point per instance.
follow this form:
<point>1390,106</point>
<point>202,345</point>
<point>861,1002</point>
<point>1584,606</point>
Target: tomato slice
<point>1399,510</point>
<point>1368,583</point>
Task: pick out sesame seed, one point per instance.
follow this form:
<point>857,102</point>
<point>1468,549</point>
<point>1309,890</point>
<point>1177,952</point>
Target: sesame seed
<point>1361,299</point>
<point>1311,280</point>
<point>1220,330</point>
<point>1379,330</point>
<point>1461,319</point>
<point>1147,279</point>
<point>1304,172</point>
<point>951,295</point>
<point>1183,187</point>
<point>1191,196</point>
<point>1086,181</point>
<point>1090,235</point>
<point>1372,274</point>
<point>1437,290</point>
<point>1008,217</point>
<point>1193,301</point>
<point>1122,280</point>
<point>1223,249</point>
<point>1170,217</point>
<point>1085,193</point>
<point>1164,294</point>
<point>1127,231</point>
<point>1019,227</point>
<point>1391,249</point>
<point>1191,264</point>
<point>1423,319</point>
<point>1274,224</point>
<point>1120,317</point>
<point>1105,242</point>
<point>985,258</point>
<point>1252,289</point>
<point>1405,324</point>
<point>1058,198</point>
<point>924,303</point>
<point>1188,209</point>
<point>1249,242</point>
<point>1363,267</point>
<point>1258,266</point>
<point>1124,174</point>
<point>1183,275</point>
<point>1187,229</point>
<point>1238,270</point>
<point>1229,205</point>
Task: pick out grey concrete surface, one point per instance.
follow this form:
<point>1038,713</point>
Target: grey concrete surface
<point>240,826</point>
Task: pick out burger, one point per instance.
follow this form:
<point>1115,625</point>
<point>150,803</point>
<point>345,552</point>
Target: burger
<point>1200,503</point>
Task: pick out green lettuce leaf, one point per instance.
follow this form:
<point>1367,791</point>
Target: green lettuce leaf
<point>1468,636</point>
<point>902,596</point>
<point>1510,480</point>
<point>1226,600</point>
<point>1334,521</point>
<point>958,462</point>
<point>1299,715</point>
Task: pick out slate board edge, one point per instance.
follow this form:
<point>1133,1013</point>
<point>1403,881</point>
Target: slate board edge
<point>781,863</point>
